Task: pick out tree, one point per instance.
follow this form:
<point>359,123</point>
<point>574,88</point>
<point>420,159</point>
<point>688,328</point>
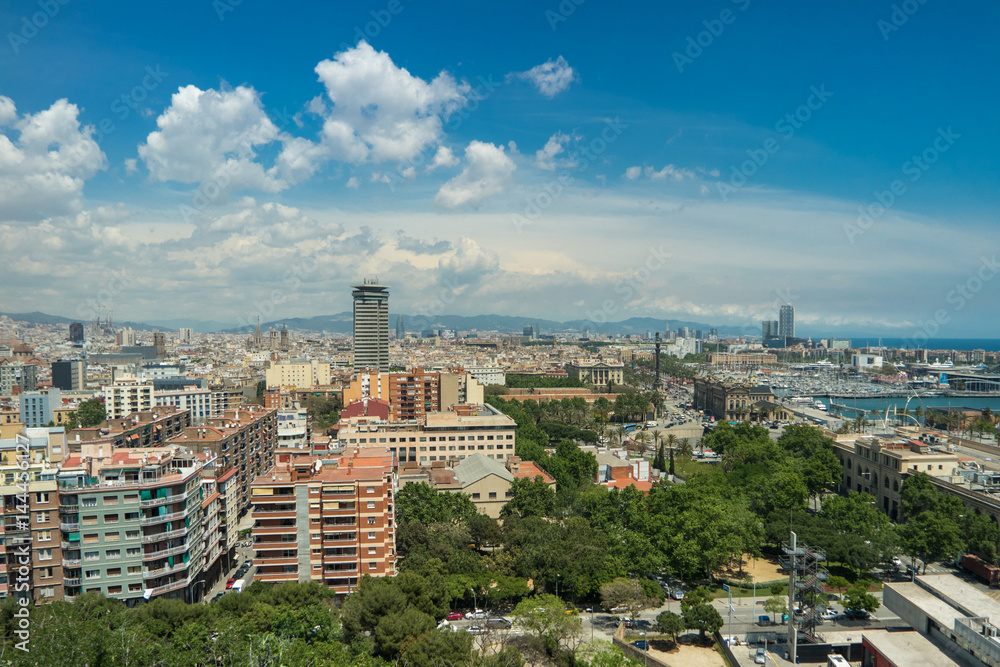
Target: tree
<point>628,593</point>
<point>437,648</point>
<point>671,624</point>
<point>529,497</point>
<point>837,582</point>
<point>323,410</point>
<point>858,597</point>
<point>704,618</point>
<point>932,536</point>
<point>599,653</point>
<point>777,606</point>
<point>423,503</point>
<point>544,617</point>
<point>90,413</point>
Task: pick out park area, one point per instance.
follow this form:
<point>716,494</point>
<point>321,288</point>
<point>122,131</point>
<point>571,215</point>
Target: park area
<point>686,655</point>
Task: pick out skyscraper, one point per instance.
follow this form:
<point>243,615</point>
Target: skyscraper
<point>400,328</point>
<point>786,322</point>
<point>76,332</point>
<point>769,329</point>
<point>371,326</point>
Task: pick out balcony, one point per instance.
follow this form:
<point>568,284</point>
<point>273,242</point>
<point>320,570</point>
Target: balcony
<point>273,530</point>
<point>154,555</point>
<point>67,527</point>
<point>153,520</point>
<point>71,581</point>
<point>270,546</point>
<point>276,576</point>
<point>268,562</point>
<point>72,562</point>
<point>163,571</point>
<point>273,514</point>
<point>149,539</point>
<point>160,590</point>
<point>154,502</point>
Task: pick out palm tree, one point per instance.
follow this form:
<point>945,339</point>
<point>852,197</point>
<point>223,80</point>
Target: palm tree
<point>919,412</point>
<point>617,432</point>
<point>671,441</point>
<point>641,440</point>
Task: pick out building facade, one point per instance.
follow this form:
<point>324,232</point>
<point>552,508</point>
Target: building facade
<point>69,375</point>
<point>601,374</point>
<point>371,326</point>
<point>123,397</point>
<point>786,322</point>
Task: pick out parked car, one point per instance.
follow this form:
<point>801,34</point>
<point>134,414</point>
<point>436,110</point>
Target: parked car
<point>478,614</point>
<point>476,630</point>
<point>760,657</point>
<point>764,620</point>
<point>828,615</point>
<point>498,622</point>
<point>642,645</point>
<point>896,563</point>
<point>454,616</point>
<point>856,614</point>
<point>678,594</point>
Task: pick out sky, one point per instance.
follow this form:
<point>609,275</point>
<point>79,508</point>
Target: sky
<point>709,161</point>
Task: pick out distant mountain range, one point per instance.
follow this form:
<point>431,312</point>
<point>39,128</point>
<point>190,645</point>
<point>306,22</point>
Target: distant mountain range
<point>342,323</point>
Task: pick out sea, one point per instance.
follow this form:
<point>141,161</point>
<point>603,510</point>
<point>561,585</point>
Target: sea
<point>988,344</point>
<point>881,404</point>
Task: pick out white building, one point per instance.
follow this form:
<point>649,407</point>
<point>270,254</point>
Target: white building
<point>191,397</point>
<point>866,361</point>
<point>127,396</point>
<point>487,375</point>
<point>293,428</point>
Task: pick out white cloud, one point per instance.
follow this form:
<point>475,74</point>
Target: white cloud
<point>551,77</point>
<point>43,171</point>
<point>468,264</point>
<point>546,158</point>
<point>443,158</point>
<point>487,172</point>
<point>668,172</point>
<point>352,182</point>
<point>131,165</point>
<point>379,112</point>
<point>204,134</point>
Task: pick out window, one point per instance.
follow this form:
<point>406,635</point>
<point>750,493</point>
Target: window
<point>371,535</point>
<point>371,504</point>
<point>110,518</point>
<point>371,489</point>
<point>493,495</point>
<point>131,498</point>
<point>131,516</point>
<point>135,569</point>
<point>43,517</point>
<point>43,497</point>
<point>131,534</point>
<point>133,552</point>
<point>373,565</point>
<point>134,588</point>
<point>110,500</point>
<point>113,553</point>
<point>114,590</point>
<point>92,574</point>
<point>46,572</point>
<point>114,572</point>
<point>371,551</point>
<point>371,521</point>
<point>475,496</point>
<point>112,537</point>
<point>91,555</point>
<point>45,536</point>
<point>89,520</point>
<point>45,554</point>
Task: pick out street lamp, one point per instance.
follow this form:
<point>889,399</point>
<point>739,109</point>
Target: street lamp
<point>475,605</point>
<point>557,585</point>
<point>753,611</point>
<point>645,650</point>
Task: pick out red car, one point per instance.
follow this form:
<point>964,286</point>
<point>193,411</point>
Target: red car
<point>455,616</point>
<point>229,584</point>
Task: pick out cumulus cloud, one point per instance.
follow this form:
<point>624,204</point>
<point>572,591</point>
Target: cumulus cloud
<point>204,133</point>
<point>551,77</point>
<point>547,157</point>
<point>43,168</point>
<point>352,182</point>
<point>443,158</point>
<point>632,173</point>
<point>468,264</point>
<point>378,112</point>
<point>488,172</point>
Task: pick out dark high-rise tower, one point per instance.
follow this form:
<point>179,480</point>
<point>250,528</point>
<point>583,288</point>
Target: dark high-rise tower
<point>400,328</point>
<point>371,326</point>
<point>786,322</point>
<point>657,384</point>
<point>76,332</point>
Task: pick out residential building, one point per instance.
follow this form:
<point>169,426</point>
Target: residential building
<point>488,375</point>
<point>330,521</point>
<point>186,335</point>
<point>140,429</point>
<point>69,375</point>
<point>126,396</point>
<point>298,374</point>
<point>195,399</point>
<point>38,408</point>
<point>413,394</point>
<point>243,439</point>
<point>769,329</point>
<point>132,524</point>
<point>597,372</point>
<point>293,428</point>
<point>371,326</point>
<point>437,436</point>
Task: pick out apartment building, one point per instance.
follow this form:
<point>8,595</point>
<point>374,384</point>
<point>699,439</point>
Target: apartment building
<point>293,428</point>
<point>38,408</point>
<point>123,397</point>
<point>142,429</point>
<point>30,532</point>
<point>330,521</point>
<point>298,374</point>
<point>197,400</point>
<point>413,394</point>
<point>243,439</point>
<point>437,436</point>
<point>487,375</point>
<point>132,524</point>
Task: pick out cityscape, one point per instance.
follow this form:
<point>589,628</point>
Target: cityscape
<point>352,335</point>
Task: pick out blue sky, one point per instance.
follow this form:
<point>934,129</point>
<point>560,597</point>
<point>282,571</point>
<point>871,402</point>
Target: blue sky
<point>684,160</point>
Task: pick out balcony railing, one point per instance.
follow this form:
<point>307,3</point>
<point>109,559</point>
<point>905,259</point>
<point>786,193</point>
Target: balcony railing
<point>160,590</point>
<point>69,527</point>
<point>148,539</point>
<point>163,571</point>
<point>166,552</point>
<point>153,502</point>
<point>72,562</point>
<point>152,520</point>
<point>71,581</point>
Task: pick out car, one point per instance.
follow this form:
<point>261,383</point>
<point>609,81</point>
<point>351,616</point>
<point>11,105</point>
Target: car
<point>760,657</point>
<point>248,562</point>
<point>230,582</point>
<point>828,615</point>
<point>454,616</point>
<point>642,645</point>
<point>896,563</point>
<point>764,620</point>
<point>476,630</point>
<point>678,594</point>
<point>498,622</point>
<point>477,615</point>
<point>856,614</point>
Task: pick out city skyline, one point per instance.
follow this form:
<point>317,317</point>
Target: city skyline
<point>646,176</point>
